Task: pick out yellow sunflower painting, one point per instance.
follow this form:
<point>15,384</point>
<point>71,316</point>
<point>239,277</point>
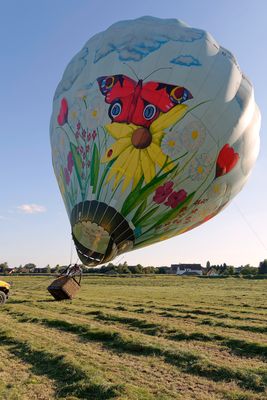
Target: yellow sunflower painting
<point>137,150</point>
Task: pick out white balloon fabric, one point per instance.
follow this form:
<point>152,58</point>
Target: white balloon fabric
<point>154,130</point>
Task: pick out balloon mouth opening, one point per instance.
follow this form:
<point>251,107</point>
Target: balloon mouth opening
<point>99,232</point>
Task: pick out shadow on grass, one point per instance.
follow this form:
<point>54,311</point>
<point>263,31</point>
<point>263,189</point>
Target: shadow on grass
<point>249,328</point>
<point>239,347</point>
<point>195,311</point>
<point>244,348</point>
<point>236,346</point>
<point>192,313</point>
<point>12,301</point>
<point>199,336</point>
<point>70,380</point>
<point>167,314</point>
<point>142,311</point>
<point>121,308</point>
<point>188,362</point>
<point>172,312</point>
<point>47,301</point>
<point>142,325</point>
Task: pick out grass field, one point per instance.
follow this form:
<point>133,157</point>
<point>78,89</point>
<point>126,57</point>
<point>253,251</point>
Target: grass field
<point>139,338</point>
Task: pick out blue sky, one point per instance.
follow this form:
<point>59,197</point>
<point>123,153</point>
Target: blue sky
<point>37,40</point>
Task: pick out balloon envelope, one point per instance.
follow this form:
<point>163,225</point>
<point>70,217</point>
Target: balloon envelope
<point>154,130</point>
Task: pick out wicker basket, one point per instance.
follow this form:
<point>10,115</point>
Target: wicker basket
<point>64,287</point>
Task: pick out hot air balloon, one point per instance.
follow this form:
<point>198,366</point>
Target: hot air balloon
<point>154,130</point>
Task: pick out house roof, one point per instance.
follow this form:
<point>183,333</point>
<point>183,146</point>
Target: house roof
<point>183,267</point>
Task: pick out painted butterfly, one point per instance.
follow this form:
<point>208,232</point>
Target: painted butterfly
<point>137,102</point>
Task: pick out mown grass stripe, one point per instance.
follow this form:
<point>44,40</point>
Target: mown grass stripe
<point>237,346</point>
<point>249,328</point>
<point>188,362</point>
<point>156,311</point>
<point>70,379</point>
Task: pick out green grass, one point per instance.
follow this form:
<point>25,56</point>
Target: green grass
<point>153,337</point>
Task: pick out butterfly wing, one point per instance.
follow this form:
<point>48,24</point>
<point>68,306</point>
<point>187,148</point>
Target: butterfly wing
<point>164,96</point>
<point>156,97</point>
<point>138,103</point>
<point>144,113</point>
<point>116,86</point>
<point>118,91</point>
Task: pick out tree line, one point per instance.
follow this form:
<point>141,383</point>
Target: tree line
<point>124,268</point>
<point>224,269</point>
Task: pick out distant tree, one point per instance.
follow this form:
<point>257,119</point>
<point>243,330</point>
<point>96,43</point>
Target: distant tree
<point>4,267</point>
<point>105,269</point>
<point>163,270</point>
<point>47,269</point>
<point>208,265</point>
<point>92,271</point>
<point>230,270</point>
<point>136,269</point>
<point>29,267</point>
<point>149,270</point>
<point>57,269</point>
<point>248,270</point>
<point>139,269</point>
<point>122,268</point>
<point>263,267</point>
<point>224,269</point>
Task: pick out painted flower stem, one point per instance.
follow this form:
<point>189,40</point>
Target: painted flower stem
<point>186,163</point>
<point>72,130</point>
<point>66,133</point>
<point>199,187</point>
<point>101,181</point>
<point>85,103</point>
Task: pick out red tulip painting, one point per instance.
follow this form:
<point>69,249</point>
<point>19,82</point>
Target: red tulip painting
<point>226,160</point>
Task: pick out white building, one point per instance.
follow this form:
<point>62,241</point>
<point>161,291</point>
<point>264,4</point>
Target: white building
<point>186,269</point>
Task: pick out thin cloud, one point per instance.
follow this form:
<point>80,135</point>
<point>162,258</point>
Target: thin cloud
<point>31,208</point>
